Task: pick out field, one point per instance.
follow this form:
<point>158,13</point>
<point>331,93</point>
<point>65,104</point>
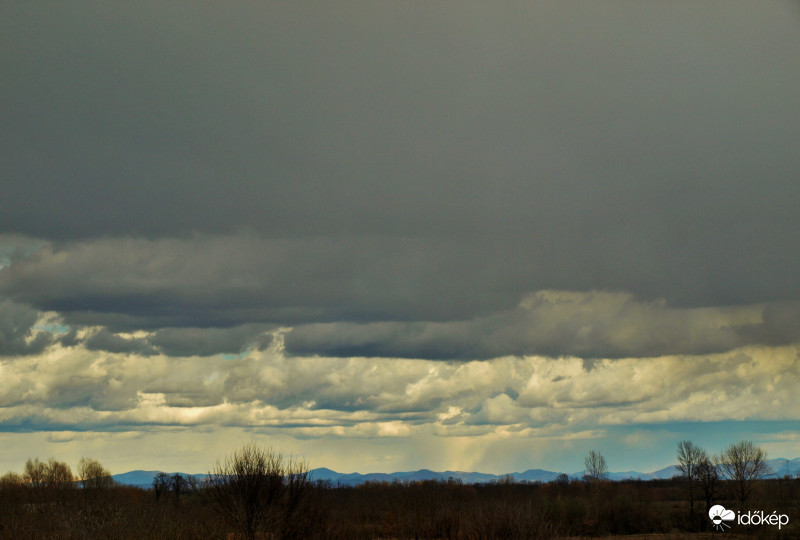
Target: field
<point>655,509</point>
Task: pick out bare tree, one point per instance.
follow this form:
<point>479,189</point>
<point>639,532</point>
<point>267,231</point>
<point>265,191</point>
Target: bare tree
<point>743,463</point>
<point>48,480</point>
<point>59,480</point>
<point>178,484</point>
<point>192,482</point>
<point>708,478</point>
<point>596,468</point>
<point>12,489</point>
<point>93,476</point>
<point>689,457</point>
<point>161,484</point>
<point>59,475</point>
<point>258,490</point>
<point>11,479</point>
<point>35,474</point>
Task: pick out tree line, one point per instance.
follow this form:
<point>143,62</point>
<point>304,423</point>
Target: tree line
<point>257,493</point>
<point>741,464</point>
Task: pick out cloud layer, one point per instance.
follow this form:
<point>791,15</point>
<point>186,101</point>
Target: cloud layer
<point>80,389</point>
<point>406,222</point>
<point>439,150</point>
<point>217,294</point>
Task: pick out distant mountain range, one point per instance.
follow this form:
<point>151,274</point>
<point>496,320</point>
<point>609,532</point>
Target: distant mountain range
<point>778,466</point>
<point>144,479</point>
<point>531,475</point>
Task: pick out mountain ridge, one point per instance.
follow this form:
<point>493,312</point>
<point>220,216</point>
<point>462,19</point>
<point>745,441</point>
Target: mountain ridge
<point>778,466</point>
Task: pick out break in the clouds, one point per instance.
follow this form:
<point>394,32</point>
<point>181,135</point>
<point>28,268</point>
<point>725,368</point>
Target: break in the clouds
<point>337,221</point>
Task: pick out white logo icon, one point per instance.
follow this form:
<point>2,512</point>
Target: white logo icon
<point>719,516</point>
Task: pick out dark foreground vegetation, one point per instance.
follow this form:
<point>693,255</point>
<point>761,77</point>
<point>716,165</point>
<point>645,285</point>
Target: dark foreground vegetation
<point>258,494</point>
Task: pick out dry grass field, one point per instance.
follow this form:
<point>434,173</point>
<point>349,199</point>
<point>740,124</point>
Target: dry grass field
<point>630,510</point>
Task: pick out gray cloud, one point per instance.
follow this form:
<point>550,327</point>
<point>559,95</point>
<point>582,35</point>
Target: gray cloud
<point>209,341</point>
<point>17,333</point>
<point>177,342</point>
<point>781,325</point>
<point>103,340</point>
<point>554,323</point>
<point>393,179</point>
<point>373,297</point>
<point>231,280</point>
<point>182,183</point>
<point>648,150</point>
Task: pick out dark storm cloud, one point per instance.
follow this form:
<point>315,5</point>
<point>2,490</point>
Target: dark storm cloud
<point>780,326</point>
<point>555,323</point>
<point>399,166</point>
<point>17,334</point>
<point>226,281</point>
<point>103,340</point>
<point>182,341</point>
<point>209,341</point>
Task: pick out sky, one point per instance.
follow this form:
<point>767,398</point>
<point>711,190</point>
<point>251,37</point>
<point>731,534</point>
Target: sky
<point>387,236</point>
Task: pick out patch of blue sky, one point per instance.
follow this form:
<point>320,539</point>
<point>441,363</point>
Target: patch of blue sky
<point>239,356</point>
<point>644,446</point>
<point>14,248</point>
<point>52,328</point>
<point>718,429</point>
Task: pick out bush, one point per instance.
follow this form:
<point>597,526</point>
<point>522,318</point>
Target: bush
<point>260,492</point>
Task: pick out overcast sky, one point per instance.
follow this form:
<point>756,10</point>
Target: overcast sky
<point>388,236</point>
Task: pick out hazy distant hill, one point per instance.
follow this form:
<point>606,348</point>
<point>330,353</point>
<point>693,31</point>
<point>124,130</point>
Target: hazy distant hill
<point>781,467</point>
<point>144,479</point>
<point>778,467</point>
<point>666,473</point>
<point>531,475</point>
